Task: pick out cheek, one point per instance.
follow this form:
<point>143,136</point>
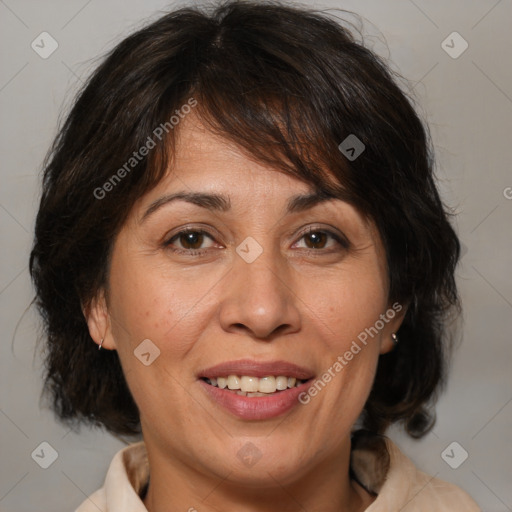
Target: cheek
<point>347,304</point>
<point>150,302</point>
<point>170,310</point>
<point>343,310</point>
<point>348,390</point>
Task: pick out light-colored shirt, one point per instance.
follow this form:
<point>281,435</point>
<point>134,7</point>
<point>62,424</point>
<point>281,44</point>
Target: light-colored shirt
<point>403,488</point>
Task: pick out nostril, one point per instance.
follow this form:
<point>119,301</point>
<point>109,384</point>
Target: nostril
<point>282,327</point>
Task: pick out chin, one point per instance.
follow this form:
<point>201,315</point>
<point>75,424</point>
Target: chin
<point>265,474</point>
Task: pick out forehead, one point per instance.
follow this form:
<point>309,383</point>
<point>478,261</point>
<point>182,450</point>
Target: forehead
<point>209,170</point>
<point>209,162</point>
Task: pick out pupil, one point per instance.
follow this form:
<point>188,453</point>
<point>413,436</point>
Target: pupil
<point>315,240</point>
<point>192,240</point>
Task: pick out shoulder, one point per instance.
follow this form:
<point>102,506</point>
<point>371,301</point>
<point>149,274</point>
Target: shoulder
<point>399,485</point>
<point>127,475</point>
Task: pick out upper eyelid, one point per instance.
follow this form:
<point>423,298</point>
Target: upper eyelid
<point>335,233</point>
<point>209,231</point>
<point>338,237</point>
<point>189,230</point>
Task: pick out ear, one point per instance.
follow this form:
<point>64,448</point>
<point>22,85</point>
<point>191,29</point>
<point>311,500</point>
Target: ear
<point>393,317</point>
<point>98,321</point>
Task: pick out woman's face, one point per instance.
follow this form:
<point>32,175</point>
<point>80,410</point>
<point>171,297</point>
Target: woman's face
<point>263,283</point>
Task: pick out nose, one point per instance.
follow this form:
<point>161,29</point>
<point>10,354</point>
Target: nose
<point>259,299</point>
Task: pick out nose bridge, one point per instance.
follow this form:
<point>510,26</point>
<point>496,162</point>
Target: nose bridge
<point>262,276</point>
<point>257,296</point>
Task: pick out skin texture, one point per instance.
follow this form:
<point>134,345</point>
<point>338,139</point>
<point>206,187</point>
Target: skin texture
<point>298,302</point>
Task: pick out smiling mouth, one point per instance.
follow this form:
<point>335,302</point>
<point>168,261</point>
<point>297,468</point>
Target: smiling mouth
<point>250,386</point>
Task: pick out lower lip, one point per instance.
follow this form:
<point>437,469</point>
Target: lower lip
<point>257,407</point>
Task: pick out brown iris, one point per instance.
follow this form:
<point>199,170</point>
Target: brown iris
<point>316,240</point>
<point>192,240</point>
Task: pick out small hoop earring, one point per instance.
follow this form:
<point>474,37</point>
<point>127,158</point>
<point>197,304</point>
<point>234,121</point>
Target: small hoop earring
<point>101,343</point>
<point>394,338</point>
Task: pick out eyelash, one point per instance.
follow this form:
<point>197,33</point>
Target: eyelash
<point>189,252</point>
<point>199,252</point>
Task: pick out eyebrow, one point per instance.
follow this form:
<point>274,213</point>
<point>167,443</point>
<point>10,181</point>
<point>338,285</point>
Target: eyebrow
<point>221,203</point>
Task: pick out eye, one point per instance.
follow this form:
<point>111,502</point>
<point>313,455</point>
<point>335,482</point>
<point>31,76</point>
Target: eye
<point>190,241</point>
<point>316,239</point>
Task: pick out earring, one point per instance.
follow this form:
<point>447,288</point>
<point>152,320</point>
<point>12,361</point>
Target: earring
<point>394,338</point>
<point>101,343</point>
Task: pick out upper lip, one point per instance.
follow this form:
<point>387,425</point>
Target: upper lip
<point>256,369</point>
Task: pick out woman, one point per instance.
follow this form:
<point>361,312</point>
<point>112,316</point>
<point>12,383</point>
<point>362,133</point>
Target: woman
<point>240,213</point>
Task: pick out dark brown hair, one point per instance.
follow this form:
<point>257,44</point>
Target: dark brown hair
<point>288,85</point>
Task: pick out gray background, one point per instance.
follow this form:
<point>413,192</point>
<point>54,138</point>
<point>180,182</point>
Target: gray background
<point>468,103</point>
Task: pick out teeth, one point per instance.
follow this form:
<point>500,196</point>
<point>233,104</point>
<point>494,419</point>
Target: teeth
<point>247,385</point>
<point>281,383</point>
<point>233,382</point>
<point>267,385</point>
